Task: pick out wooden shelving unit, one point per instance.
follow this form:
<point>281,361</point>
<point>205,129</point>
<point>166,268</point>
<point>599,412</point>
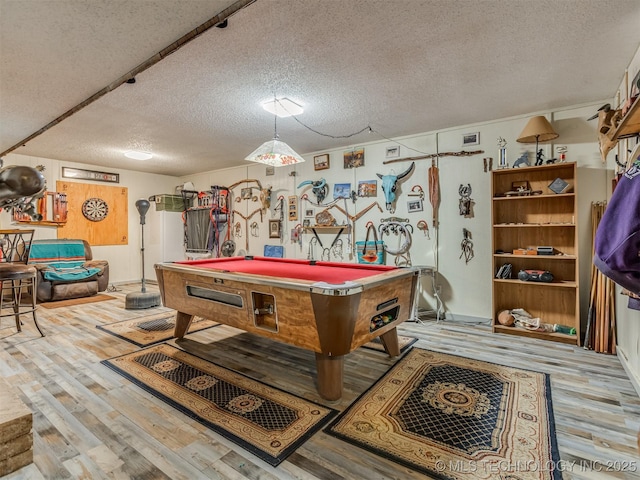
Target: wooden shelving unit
<point>546,219</point>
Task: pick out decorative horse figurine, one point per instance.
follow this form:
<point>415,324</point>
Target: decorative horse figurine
<point>19,185</point>
<point>389,183</point>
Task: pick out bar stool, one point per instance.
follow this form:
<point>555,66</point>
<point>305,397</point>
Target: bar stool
<point>16,276</point>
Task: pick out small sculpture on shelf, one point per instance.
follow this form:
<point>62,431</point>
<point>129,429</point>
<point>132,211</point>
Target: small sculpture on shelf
<point>502,157</point>
<point>522,160</point>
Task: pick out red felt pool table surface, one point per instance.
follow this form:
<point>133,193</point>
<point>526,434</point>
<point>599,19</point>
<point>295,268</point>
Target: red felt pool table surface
<point>316,271</point>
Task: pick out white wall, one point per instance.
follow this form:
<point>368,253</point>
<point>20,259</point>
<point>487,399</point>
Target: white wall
<point>627,320</point>
<point>124,260</point>
<point>465,287</point>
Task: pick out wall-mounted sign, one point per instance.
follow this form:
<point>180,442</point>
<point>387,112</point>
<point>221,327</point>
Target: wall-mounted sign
<point>80,174</point>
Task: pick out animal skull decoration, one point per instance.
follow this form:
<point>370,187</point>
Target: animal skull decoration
<point>320,188</point>
<point>389,183</point>
<point>265,198</point>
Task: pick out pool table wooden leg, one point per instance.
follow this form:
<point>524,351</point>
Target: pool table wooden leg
<point>390,342</point>
<point>183,321</point>
<point>330,376</point>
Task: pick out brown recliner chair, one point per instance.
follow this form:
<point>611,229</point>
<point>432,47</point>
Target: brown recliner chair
<point>52,284</point>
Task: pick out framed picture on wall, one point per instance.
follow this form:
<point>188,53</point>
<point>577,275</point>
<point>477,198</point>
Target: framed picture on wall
<point>353,158</point>
<point>245,193</point>
<point>342,190</point>
<point>392,152</point>
<point>367,188</point>
<point>321,162</point>
<point>414,206</point>
<point>470,139</point>
<point>274,228</point>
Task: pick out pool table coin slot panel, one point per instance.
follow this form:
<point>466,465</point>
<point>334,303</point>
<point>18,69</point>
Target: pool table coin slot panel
<point>265,315</point>
<point>383,319</point>
<point>217,296</point>
<point>386,304</point>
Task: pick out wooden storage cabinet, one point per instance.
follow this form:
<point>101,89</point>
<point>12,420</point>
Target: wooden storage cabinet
<point>527,222</point>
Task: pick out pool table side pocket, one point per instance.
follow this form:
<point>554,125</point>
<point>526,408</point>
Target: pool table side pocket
<point>394,299</point>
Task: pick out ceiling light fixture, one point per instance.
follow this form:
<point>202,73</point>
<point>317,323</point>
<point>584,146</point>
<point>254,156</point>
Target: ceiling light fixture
<point>282,107</point>
<point>274,152</point>
<point>135,155</point>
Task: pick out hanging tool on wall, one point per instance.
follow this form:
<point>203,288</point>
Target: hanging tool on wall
<point>246,224</point>
<point>424,226</point>
<point>434,191</point>
<point>298,234</point>
<point>461,153</point>
<point>416,191</point>
<point>466,245</point>
<point>353,219</point>
<point>218,213</point>
<point>311,251</point>
<point>281,219</point>
<point>465,204</point>
<point>403,229</point>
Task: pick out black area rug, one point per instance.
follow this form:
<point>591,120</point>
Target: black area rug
<point>457,418</point>
<point>266,421</point>
<point>150,329</point>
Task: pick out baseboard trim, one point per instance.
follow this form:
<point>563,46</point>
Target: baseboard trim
<point>633,376</point>
<point>466,319</point>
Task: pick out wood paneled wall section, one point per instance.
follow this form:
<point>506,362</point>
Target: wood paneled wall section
<point>113,230</point>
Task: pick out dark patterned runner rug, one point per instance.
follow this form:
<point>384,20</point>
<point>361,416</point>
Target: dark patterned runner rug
<point>266,421</point>
<point>403,341</point>
<point>456,418</point>
<point>150,329</point>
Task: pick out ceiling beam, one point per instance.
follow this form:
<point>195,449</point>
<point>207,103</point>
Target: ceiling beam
<point>219,19</point>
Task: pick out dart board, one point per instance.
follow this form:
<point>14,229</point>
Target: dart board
<point>95,209</point>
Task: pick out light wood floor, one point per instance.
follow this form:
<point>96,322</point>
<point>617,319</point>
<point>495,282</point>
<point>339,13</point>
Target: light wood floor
<point>91,423</point>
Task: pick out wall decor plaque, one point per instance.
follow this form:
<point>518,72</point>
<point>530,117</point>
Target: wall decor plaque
<point>81,174</point>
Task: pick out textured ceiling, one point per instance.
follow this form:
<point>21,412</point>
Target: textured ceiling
<point>400,66</point>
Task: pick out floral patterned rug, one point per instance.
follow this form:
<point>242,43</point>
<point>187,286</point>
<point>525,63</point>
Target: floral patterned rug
<point>451,417</point>
<point>264,420</point>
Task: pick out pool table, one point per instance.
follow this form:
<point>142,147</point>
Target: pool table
<point>330,308</point>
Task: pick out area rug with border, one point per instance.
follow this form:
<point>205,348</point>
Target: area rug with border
<point>456,418</point>
<point>100,297</point>
<point>403,341</point>
<point>150,329</point>
<point>266,421</point>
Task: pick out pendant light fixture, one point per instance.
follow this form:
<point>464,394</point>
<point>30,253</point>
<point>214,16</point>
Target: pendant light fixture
<point>274,152</point>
